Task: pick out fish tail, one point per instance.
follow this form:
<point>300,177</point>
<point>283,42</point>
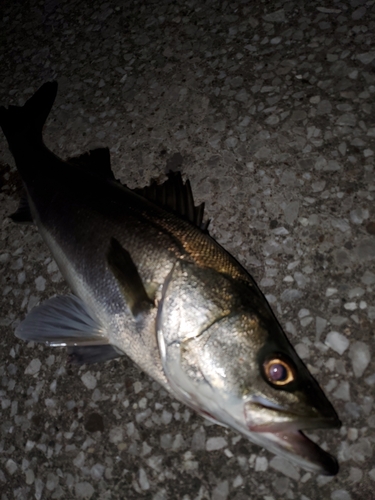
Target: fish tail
<point>24,124</point>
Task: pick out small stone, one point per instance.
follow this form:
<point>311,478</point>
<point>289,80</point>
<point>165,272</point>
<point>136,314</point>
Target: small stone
<point>11,466</point>
<point>261,464</point>
<point>340,224</point>
<point>39,485</point>
<point>97,471</point>
<point>355,475</point>
<point>166,441</point>
<point>116,435</point>
<point>33,367</point>
<point>84,490</point>
<point>360,356</point>
<point>199,439</point>
<point>29,476</point>
<point>337,342</point>
<point>79,460</point>
<point>221,491</point>
<point>340,495</point>
<point>318,186</point>
<point>285,467</point>
<point>358,215</point>
<point>290,295</point>
<point>356,292</point>
<point>40,283</point>
<point>338,320</point>
<point>368,278</point>
<point>143,480</point>
<point>219,126</point>
<point>343,391</point>
<point>290,328</point>
<point>359,13</point>
<point>366,57</point>
<point>166,417</point>
<point>324,107</point>
<point>216,443</point>
<point>237,481</point>
<point>137,387</point>
<point>275,17</point>
<point>365,250</point>
<point>347,119</point>
<point>306,321</point>
<point>89,380</point>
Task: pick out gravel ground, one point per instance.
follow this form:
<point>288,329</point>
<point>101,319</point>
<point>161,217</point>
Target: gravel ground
<point>268,108</point>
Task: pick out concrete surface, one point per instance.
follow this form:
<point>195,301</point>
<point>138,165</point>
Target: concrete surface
<point>268,108</point>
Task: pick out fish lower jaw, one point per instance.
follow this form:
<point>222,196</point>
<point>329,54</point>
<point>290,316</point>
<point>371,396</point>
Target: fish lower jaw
<point>297,448</point>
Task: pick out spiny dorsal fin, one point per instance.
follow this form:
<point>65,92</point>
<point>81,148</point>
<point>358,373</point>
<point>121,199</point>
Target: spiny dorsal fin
<point>176,196</point>
<point>96,161</point>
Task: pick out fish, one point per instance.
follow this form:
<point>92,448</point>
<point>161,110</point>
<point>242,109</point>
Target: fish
<point>149,282</point>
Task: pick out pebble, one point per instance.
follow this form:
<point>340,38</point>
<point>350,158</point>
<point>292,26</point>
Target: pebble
<point>40,283</point>
<point>358,215</point>
<point>340,495</point>
<point>355,475</point>
<point>216,443</point>
<point>290,295</point>
<point>89,380</point>
<point>221,491</point>
<point>84,490</point>
<point>337,342</point>
<point>285,467</point>
<point>116,435</point>
<point>360,356</point>
<point>291,212</point>
<point>343,391</point>
<point>261,464</point>
<point>33,367</point>
<point>143,480</point>
<point>11,466</point>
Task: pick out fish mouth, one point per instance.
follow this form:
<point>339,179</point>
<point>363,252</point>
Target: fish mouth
<point>281,432</point>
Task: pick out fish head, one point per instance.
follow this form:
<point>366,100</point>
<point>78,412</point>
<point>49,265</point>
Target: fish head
<point>241,371</point>
<point>266,392</point>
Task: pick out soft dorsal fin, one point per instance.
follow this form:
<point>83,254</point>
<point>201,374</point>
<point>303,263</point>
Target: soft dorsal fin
<point>176,196</point>
<point>97,161</point>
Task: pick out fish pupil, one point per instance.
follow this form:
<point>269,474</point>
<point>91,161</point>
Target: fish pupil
<point>278,372</point>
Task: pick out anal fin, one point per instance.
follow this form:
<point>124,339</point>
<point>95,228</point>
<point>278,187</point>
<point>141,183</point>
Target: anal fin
<point>87,355</point>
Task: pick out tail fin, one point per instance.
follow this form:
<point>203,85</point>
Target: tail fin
<point>22,124</point>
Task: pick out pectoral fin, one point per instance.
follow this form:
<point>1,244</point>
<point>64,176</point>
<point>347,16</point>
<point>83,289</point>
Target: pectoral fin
<point>62,321</point>
<point>124,270</point>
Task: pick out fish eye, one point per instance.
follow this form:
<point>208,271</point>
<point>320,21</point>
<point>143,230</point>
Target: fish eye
<point>278,371</point>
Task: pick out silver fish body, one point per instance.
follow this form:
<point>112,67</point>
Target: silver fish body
<point>153,285</point>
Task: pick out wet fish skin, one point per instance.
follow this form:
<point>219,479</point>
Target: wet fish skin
<point>153,285</point>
